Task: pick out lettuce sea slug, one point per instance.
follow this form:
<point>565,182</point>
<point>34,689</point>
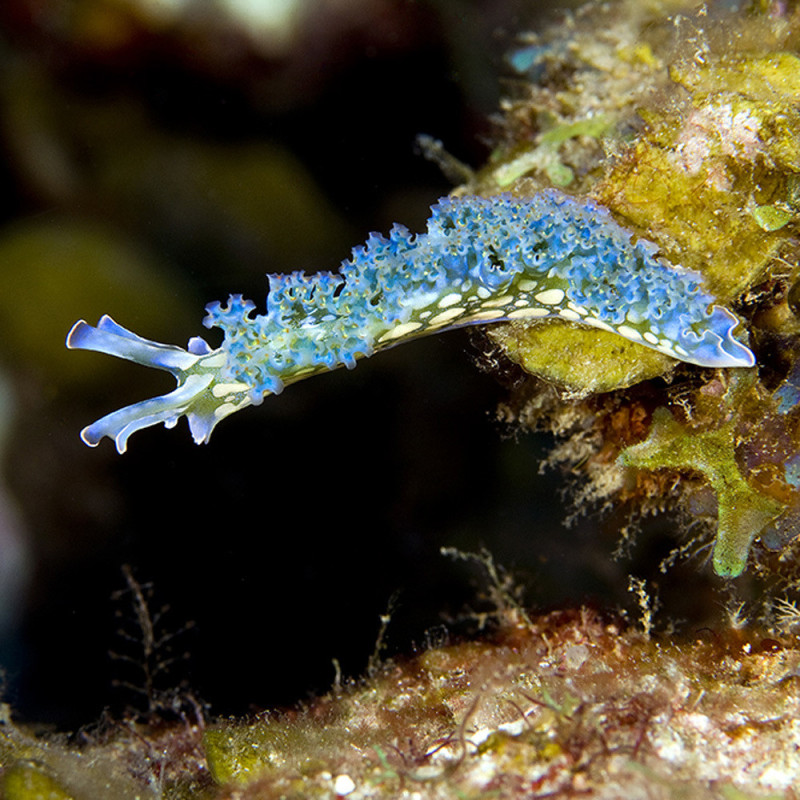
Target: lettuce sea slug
<point>481,260</point>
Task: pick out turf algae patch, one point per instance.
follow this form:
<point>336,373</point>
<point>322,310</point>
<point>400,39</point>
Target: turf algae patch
<point>122,760</point>
<point>702,166</point>
<point>710,176</point>
<point>581,364</point>
<point>743,512</point>
<point>31,781</point>
<point>569,704</point>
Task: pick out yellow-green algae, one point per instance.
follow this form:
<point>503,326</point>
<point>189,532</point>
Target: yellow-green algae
<point>128,760</point>
<point>772,218</point>
<point>544,155</point>
<point>582,364</point>
<point>689,183</point>
<point>743,512</point>
<point>27,780</point>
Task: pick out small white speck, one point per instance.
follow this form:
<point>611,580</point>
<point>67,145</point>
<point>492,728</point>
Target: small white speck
<point>777,778</point>
<point>449,300</point>
<point>629,333</point>
<point>514,728</point>
<point>650,337</point>
<point>223,389</point>
<point>485,316</point>
<point>550,297</point>
<point>505,300</point>
<point>529,313</point>
<point>575,655</point>
<point>480,736</point>
<point>483,292</point>
<point>446,316</point>
<point>399,331</point>
<point>428,772</point>
<point>699,722</point>
<point>568,313</point>
<point>343,785</point>
<point>527,285</point>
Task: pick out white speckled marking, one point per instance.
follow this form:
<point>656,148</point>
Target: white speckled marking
<point>650,337</point>
<point>505,300</point>
<point>446,316</point>
<point>215,361</point>
<point>634,317</point>
<point>550,297</point>
<point>568,313</point>
<point>343,785</point>
<point>529,313</point>
<point>226,409</point>
<point>222,389</point>
<point>483,292</point>
<point>449,300</point>
<point>400,331</point>
<point>527,285</point>
<point>629,333</point>
<point>492,313</point>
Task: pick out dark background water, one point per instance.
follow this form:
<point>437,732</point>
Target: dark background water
<point>155,162</point>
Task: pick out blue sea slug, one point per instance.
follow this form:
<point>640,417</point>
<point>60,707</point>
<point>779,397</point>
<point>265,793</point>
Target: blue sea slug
<point>481,260</point>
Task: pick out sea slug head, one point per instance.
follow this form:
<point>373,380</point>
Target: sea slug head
<point>203,395</point>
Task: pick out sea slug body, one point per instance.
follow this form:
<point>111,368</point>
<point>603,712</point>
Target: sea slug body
<point>481,260</point>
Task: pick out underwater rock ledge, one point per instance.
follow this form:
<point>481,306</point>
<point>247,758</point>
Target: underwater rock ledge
<point>570,703</point>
